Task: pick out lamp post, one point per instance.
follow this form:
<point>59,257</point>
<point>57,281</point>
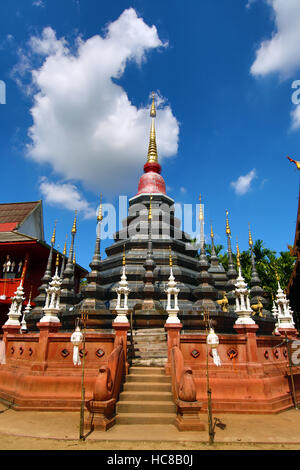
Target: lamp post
<point>78,338</point>
<point>212,340</point>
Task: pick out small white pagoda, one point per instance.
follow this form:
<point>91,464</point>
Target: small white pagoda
<point>52,303</point>
<point>172,292</point>
<point>243,308</point>
<point>122,293</point>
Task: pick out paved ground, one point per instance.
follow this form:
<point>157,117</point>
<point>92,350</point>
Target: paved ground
<point>60,430</point>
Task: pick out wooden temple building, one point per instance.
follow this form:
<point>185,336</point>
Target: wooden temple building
<point>24,250</point>
<point>156,316</point>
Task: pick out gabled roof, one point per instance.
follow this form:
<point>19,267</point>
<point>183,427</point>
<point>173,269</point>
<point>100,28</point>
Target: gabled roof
<point>12,215</point>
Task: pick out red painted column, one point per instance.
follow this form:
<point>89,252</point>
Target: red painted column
<point>45,330</point>
<point>121,330</point>
<point>173,339</point>
<point>251,346</point>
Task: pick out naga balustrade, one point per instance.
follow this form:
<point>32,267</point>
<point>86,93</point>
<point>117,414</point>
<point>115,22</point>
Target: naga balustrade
<point>108,384</point>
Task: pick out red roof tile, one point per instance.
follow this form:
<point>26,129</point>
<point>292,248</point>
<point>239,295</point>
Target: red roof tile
<point>15,213</point>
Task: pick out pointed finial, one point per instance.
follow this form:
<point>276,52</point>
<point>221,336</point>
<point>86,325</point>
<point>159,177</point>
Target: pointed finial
<point>153,110</point>
<point>65,247</point>
<point>57,260</point>
<point>250,238</point>
<point>74,228</point>
<point>211,231</point>
<point>150,209</point>
<point>170,257</point>
<point>228,231</point>
<point>152,149</point>
<point>238,254</point>
<point>276,275</point>
<point>53,235</point>
<point>124,257</point>
<point>201,217</point>
<point>100,216</point>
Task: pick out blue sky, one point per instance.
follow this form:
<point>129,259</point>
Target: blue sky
<point>79,74</point>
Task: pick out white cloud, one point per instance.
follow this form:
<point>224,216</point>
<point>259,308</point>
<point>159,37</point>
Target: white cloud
<point>84,124</point>
<point>38,3</point>
<point>243,184</point>
<point>280,53</point>
<point>67,196</point>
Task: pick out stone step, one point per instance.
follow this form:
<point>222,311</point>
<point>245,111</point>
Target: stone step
<point>158,361</point>
<point>145,418</point>
<point>151,346</point>
<point>149,338</point>
<point>150,354</point>
<point>146,395</point>
<point>147,378</point>
<point>147,331</point>
<point>148,387</point>
<point>137,406</point>
<point>147,371</point>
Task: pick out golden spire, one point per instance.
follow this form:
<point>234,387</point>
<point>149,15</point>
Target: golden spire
<point>150,209</point>
<point>152,149</point>
<point>124,257</point>
<point>100,216</point>
<point>201,217</point>
<point>228,231</point>
<point>211,231</point>
<point>74,258</point>
<point>65,247</point>
<point>57,260</point>
<point>238,254</point>
<point>250,239</point>
<point>74,228</point>
<point>170,257</point>
<point>277,276</point>
<point>53,235</point>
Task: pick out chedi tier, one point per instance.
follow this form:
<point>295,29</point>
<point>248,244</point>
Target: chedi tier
<point>150,235</point>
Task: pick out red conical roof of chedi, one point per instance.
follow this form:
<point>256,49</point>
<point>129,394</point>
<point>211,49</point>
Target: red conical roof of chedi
<point>151,181</point>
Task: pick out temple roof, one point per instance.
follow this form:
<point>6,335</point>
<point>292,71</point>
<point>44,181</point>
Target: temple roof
<point>24,217</point>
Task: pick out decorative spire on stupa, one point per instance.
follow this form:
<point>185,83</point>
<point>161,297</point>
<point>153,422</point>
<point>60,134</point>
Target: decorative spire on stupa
<point>63,264</point>
<point>205,291</point>
<point>39,301</point>
<point>52,303</point>
<point>151,181</point>
<point>216,268</point>
<point>257,293</point>
<point>231,271</point>
<point>93,293</point>
<point>152,156</point>
<point>67,294</point>
<point>285,321</point>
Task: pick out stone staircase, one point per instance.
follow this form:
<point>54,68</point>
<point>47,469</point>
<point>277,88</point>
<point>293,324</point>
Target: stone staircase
<point>147,347</point>
<point>146,398</point>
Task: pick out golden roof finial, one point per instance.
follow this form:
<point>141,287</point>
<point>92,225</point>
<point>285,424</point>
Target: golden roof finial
<point>201,217</point>
<point>277,276</point>
<point>211,231</point>
<point>150,209</point>
<point>74,258</point>
<point>250,238</point>
<point>170,257</point>
<point>65,247</point>
<point>153,110</point>
<point>152,149</point>
<point>124,256</point>
<point>74,228</point>
<point>228,231</point>
<point>54,234</point>
<point>100,216</point>
<point>238,254</point>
